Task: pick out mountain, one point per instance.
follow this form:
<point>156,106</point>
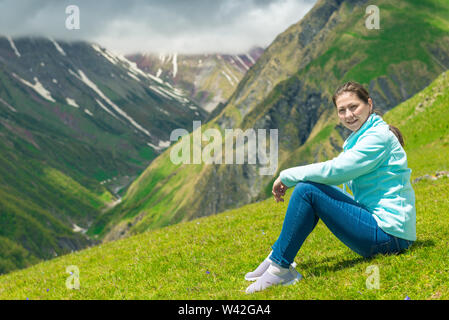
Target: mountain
<point>77,123</point>
<point>290,89</point>
<point>209,79</point>
<point>207,258</point>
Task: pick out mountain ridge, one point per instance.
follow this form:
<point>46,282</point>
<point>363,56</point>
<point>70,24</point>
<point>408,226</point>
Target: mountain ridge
<point>209,79</point>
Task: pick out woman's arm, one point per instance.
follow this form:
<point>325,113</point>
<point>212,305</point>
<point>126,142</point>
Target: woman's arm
<point>368,153</point>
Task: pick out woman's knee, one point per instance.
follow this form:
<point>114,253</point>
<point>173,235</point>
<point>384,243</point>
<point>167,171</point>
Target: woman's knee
<point>302,188</point>
<point>303,185</point>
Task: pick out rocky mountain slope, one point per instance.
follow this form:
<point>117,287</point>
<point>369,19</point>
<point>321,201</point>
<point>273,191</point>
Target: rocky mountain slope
<point>208,79</point>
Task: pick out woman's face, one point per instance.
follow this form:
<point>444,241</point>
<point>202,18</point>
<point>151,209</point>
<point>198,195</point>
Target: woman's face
<point>352,111</point>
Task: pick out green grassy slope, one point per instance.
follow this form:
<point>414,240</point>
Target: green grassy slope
<point>207,258</point>
<point>424,122</point>
<point>38,207</point>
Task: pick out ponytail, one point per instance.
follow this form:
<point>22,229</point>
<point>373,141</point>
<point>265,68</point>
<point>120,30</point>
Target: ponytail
<point>393,129</point>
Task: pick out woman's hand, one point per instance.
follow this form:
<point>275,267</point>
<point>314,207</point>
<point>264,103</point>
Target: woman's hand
<point>279,190</point>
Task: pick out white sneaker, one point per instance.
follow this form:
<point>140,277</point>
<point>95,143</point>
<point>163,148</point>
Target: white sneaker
<point>275,275</point>
<point>260,270</point>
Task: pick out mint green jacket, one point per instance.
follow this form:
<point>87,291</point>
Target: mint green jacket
<point>373,165</point>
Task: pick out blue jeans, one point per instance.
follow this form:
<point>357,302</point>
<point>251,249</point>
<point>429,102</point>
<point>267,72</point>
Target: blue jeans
<point>347,219</point>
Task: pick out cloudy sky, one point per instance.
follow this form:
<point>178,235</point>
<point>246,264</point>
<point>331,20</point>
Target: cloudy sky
<point>184,26</point>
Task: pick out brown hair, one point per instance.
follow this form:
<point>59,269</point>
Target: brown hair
<point>363,95</point>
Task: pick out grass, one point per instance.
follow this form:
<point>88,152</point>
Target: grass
<point>207,258</point>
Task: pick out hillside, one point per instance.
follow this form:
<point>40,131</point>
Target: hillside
<point>209,79</point>
<point>77,125</point>
<point>208,257</point>
<point>289,89</point>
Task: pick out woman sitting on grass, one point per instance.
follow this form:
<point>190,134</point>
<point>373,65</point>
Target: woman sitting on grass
<point>380,218</point>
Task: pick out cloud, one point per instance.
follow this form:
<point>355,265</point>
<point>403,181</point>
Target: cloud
<point>185,26</point>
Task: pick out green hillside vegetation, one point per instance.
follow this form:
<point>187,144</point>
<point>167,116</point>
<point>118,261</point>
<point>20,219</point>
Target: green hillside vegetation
<point>207,258</point>
<point>290,88</point>
<point>44,190</point>
<point>37,210</point>
<point>423,120</point>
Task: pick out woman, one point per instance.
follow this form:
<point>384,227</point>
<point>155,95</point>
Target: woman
<point>380,218</point>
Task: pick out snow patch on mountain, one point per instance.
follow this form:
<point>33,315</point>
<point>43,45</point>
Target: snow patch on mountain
<point>82,77</point>
<point>155,78</point>
<point>175,64</point>
<point>8,105</point>
<point>172,94</point>
<point>104,53</point>
<point>231,73</point>
<point>161,145</point>
<point>164,111</point>
<point>133,71</point>
<point>78,229</point>
<point>13,46</point>
<point>228,77</point>
<point>241,62</point>
<point>164,144</point>
<point>57,47</point>
<point>72,102</point>
<point>156,89</point>
<point>250,58</point>
<point>133,76</point>
<point>106,109</point>
<point>37,86</point>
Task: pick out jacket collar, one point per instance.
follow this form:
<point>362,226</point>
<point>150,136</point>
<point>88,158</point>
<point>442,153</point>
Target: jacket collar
<point>372,121</point>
